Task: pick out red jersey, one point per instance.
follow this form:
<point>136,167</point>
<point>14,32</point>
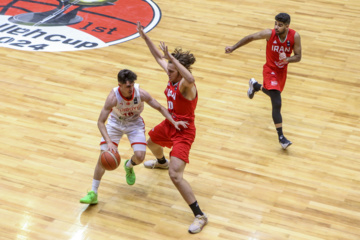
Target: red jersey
<point>179,107</point>
<point>275,46</point>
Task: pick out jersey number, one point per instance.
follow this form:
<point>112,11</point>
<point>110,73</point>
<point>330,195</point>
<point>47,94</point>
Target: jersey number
<point>170,105</point>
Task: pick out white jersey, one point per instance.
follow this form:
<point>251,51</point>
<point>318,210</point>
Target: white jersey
<point>125,119</point>
<point>127,110</point>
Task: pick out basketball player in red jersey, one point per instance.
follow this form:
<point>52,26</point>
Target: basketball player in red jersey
<point>181,94</point>
<point>281,41</point>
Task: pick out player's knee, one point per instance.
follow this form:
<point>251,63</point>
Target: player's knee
<point>275,99</point>
<point>139,156</point>
<point>175,176</point>
<point>276,104</point>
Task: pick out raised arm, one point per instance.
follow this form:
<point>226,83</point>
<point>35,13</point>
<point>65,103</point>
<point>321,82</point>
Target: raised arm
<point>146,97</point>
<point>104,114</point>
<point>264,34</point>
<point>187,86</point>
<point>153,49</point>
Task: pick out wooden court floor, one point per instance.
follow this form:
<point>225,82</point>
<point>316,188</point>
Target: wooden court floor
<point>250,188</point>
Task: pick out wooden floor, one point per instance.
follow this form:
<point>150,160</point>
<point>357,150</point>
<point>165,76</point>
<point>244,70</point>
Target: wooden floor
<point>250,188</point>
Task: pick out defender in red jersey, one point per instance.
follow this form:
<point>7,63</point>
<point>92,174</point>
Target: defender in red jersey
<point>281,42</point>
<point>182,96</point>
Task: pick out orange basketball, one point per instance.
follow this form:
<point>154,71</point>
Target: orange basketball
<point>110,160</point>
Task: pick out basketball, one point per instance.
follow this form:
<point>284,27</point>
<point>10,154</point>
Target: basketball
<point>110,160</point>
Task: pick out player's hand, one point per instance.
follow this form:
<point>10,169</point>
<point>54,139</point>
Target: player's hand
<point>112,147</point>
<point>229,49</point>
<point>140,30</point>
<point>164,48</point>
<point>180,123</point>
<point>282,58</point>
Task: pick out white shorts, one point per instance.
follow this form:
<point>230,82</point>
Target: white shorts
<point>135,131</point>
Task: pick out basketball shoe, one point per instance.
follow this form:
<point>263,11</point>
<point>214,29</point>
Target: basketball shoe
<point>198,224</point>
<point>251,90</point>
<point>90,198</point>
<point>130,174</point>
<point>284,142</point>
<point>155,164</point>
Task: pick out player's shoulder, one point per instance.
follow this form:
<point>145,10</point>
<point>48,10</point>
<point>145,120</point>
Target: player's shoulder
<point>144,95</point>
<point>268,33</point>
<point>111,100</point>
<point>296,35</point>
<point>292,31</point>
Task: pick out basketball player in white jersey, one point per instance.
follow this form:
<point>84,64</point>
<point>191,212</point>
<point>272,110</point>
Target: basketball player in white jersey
<point>124,105</point>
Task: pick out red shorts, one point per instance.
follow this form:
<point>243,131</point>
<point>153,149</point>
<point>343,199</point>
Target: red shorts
<point>166,135</point>
<point>274,79</point>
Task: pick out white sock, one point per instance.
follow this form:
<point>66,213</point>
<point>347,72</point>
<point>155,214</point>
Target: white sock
<point>95,185</point>
<point>128,164</point>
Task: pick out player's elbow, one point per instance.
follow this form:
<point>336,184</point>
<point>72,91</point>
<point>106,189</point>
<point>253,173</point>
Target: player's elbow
<point>299,57</point>
<point>296,57</point>
<point>249,38</point>
<point>190,80</point>
<point>100,124</point>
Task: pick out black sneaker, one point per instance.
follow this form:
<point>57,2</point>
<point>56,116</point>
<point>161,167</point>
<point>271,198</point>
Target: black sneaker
<point>284,142</point>
<point>251,90</point>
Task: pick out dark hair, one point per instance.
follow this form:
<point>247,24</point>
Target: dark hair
<point>185,58</point>
<point>126,75</point>
<point>283,17</point>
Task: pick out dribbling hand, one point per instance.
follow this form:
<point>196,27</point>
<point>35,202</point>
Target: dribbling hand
<point>112,147</point>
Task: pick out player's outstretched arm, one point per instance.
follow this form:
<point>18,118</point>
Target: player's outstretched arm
<point>146,97</point>
<point>186,74</point>
<point>153,49</point>
<point>264,34</point>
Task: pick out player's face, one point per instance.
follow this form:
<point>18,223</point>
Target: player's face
<point>174,75</point>
<point>280,28</point>
<point>127,89</point>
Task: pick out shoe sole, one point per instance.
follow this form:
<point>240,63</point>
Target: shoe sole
<point>130,183</point>
<point>285,146</point>
<point>199,229</point>
<point>250,91</point>
<point>151,167</point>
<point>89,203</point>
<point>156,167</point>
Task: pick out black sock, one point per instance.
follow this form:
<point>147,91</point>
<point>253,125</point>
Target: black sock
<point>257,86</point>
<point>161,160</point>
<point>196,209</point>
<point>279,132</point>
